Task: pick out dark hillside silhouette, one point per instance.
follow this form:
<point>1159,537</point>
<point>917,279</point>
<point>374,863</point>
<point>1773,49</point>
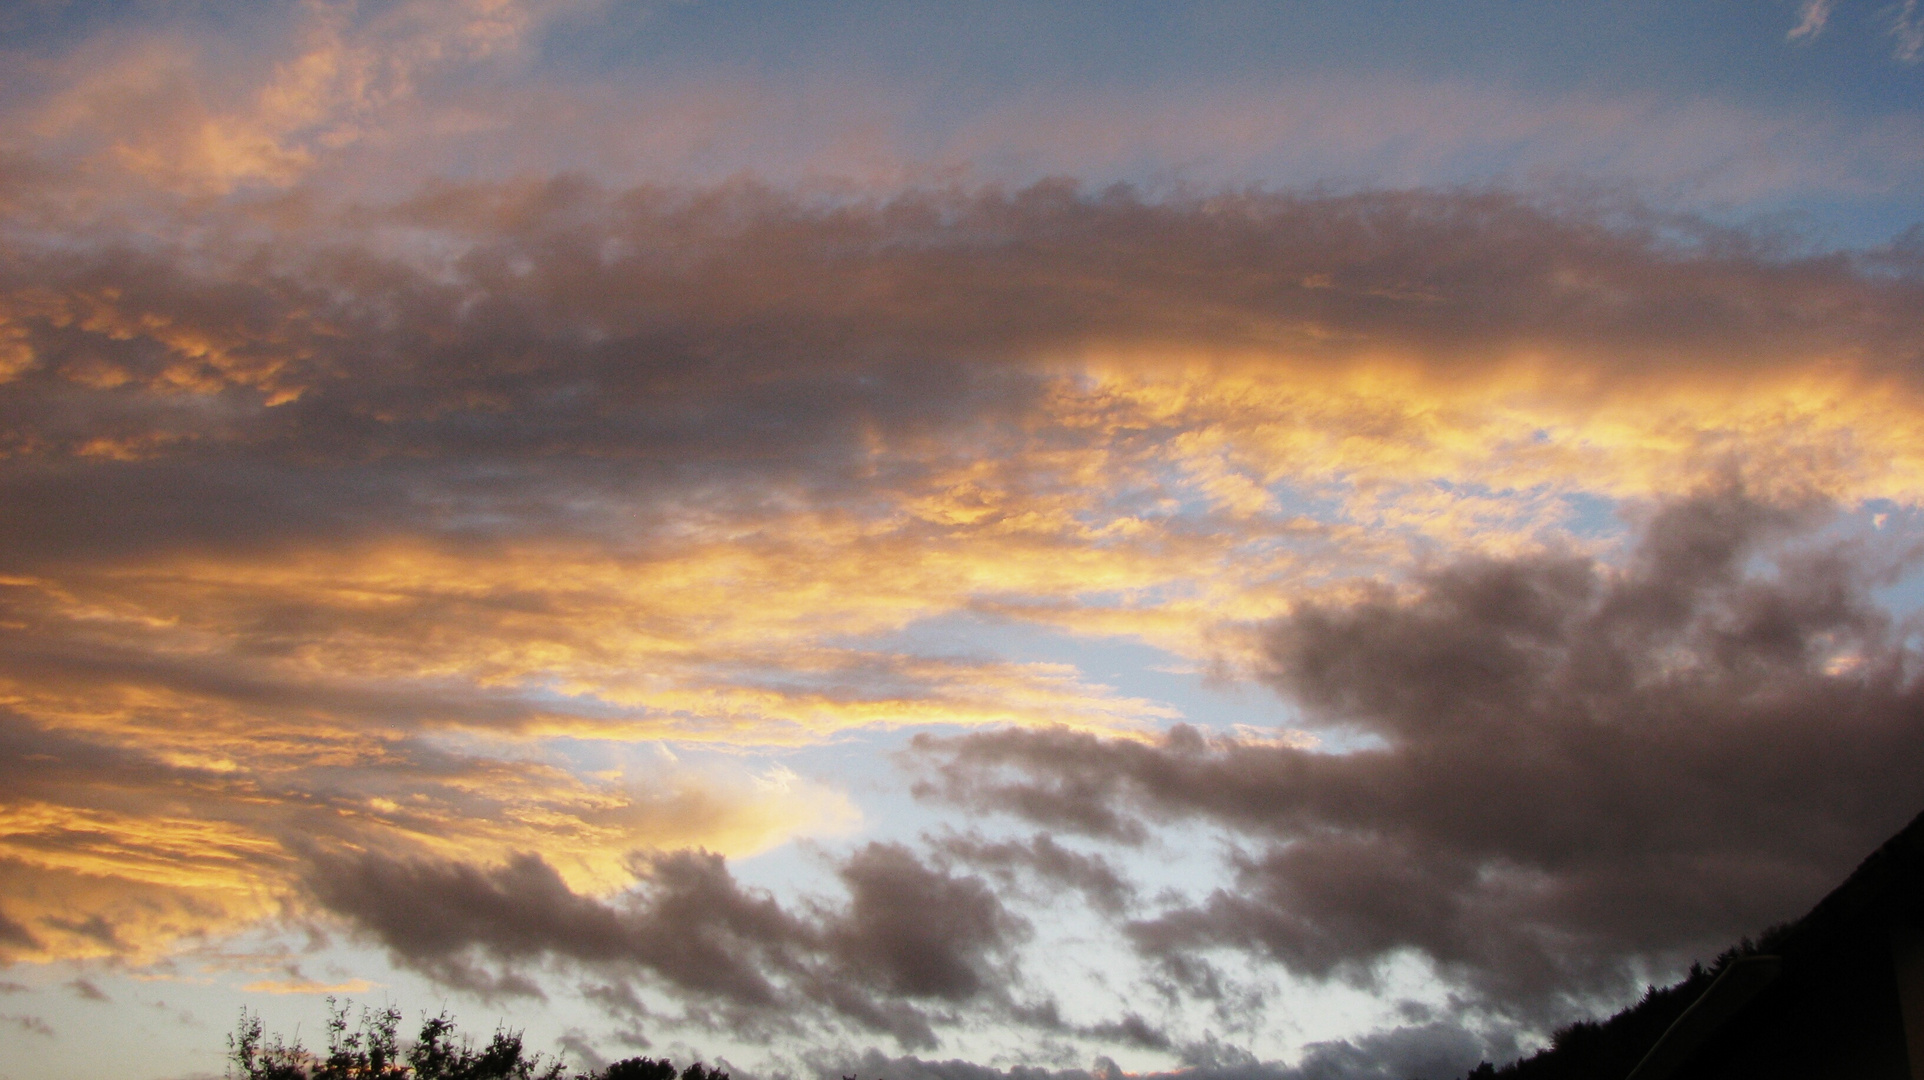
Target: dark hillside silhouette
<point>1609,1049</point>
<point>1837,994</point>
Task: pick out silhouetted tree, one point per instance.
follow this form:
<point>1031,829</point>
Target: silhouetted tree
<point>639,1068</point>
<point>371,1050</point>
<point>258,1059</point>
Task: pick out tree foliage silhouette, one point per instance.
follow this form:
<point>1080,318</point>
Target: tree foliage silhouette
<point>371,1049</point>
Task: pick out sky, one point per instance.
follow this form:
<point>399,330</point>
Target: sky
<point>945,541</point>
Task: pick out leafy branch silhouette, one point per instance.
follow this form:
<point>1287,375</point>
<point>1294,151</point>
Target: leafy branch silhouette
<point>371,1049</point>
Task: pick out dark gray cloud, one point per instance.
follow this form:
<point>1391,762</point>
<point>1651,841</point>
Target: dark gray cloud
<point>1577,766</point>
<point>539,350</point>
<point>908,937</point>
<point>692,925</point>
<point>917,931</point>
<point>1048,861</point>
<point>576,1042</point>
<point>875,1065</point>
<point>1434,1051</point>
<point>1131,1030</point>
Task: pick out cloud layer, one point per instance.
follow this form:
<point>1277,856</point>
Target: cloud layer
<point>1576,768</point>
<point>449,485</point>
<point>503,464</point>
<point>345,531</point>
<point>909,938</point>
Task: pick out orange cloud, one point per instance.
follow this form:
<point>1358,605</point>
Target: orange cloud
<point>181,114</point>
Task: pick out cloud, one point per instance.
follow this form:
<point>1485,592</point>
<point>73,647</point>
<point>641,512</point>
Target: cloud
<point>1907,33</point>
<point>260,101</point>
<point>1904,29</point>
<point>422,444</point>
<point>919,932</point>
<point>874,1063</point>
<point>15,935</point>
<point>308,986</point>
<point>31,1025</point>
<point>1049,862</point>
<point>1393,1054</point>
<point>1428,1050</point>
<point>1812,16</point>
<point>524,353</point>
<point>575,1041</point>
<point>1577,768</point>
<point>908,937</point>
<point>339,528</point>
<point>694,927</point>
<point>394,528</point>
<point>112,850</point>
<point>1130,1030</point>
<point>369,99</point>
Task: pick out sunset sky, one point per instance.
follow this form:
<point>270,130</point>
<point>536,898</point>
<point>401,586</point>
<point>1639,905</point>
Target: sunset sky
<point>1286,541</point>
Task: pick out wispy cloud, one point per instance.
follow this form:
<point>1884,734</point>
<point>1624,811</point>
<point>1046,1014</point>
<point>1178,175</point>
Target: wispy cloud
<point>28,1024</point>
<point>1903,27</point>
<point>308,986</point>
<point>371,101</point>
<point>202,114</point>
<point>1812,17</point>
<point>1907,33</point>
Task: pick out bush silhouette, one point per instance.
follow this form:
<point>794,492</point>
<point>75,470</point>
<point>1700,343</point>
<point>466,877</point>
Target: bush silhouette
<point>640,1069</point>
<point>371,1050</point>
